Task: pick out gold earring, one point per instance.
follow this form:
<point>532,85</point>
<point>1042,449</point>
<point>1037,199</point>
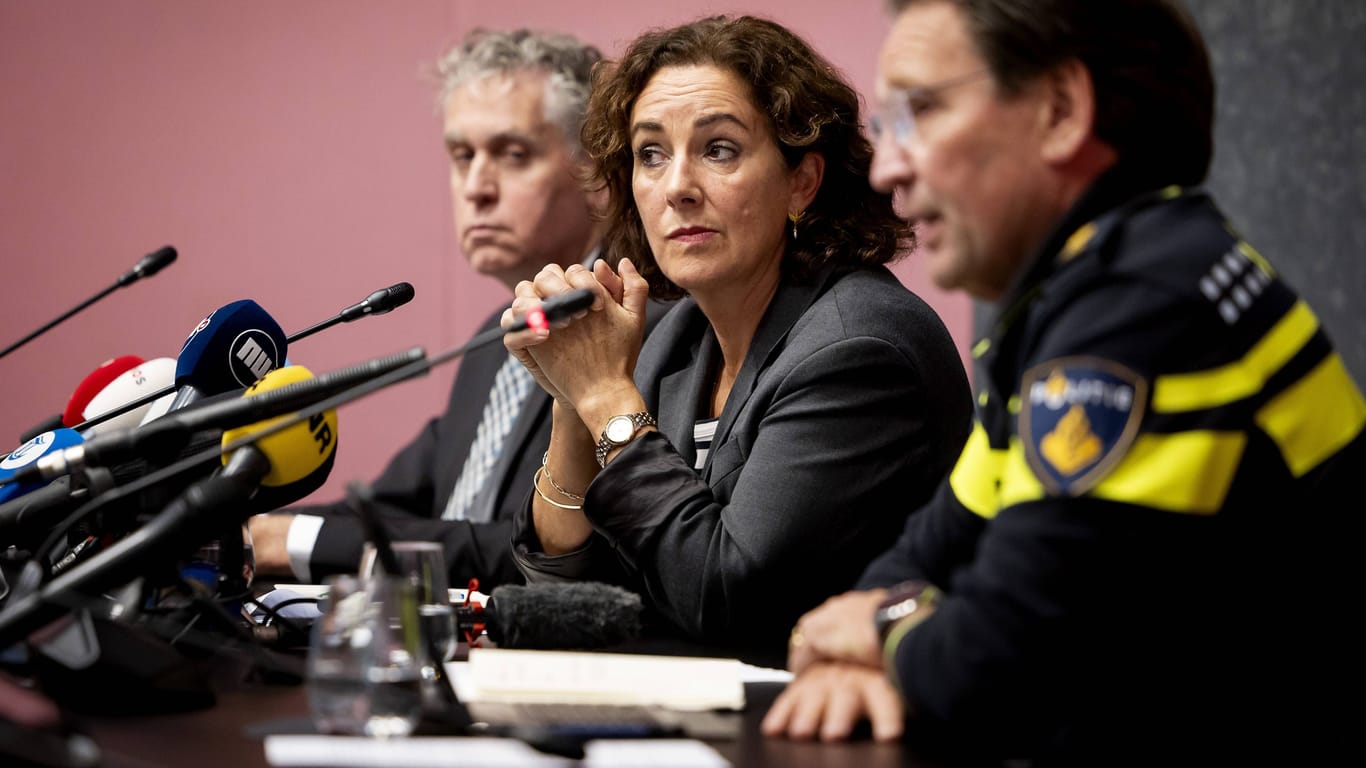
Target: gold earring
<point>794,218</point>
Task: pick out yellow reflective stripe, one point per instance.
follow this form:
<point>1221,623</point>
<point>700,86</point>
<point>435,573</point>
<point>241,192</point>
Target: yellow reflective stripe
<point>973,478</point>
<point>1175,393</point>
<point>1187,472</point>
<point>1314,417</point>
<point>1018,482</point>
<point>1184,472</point>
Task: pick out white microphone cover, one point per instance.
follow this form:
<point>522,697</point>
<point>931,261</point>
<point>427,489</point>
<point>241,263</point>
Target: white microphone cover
<point>132,384</point>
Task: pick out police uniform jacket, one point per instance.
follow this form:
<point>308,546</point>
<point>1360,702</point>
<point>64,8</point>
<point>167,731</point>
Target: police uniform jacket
<point>1142,540</point>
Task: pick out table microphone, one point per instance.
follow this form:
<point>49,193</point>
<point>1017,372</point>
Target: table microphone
<point>377,303</point>
<point>147,266</point>
<point>380,302</point>
<point>555,616</point>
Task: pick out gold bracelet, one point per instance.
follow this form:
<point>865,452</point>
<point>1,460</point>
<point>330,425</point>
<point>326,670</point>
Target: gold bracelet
<point>536,483</point>
<point>545,470</point>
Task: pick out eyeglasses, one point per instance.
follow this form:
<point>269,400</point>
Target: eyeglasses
<point>897,113</point>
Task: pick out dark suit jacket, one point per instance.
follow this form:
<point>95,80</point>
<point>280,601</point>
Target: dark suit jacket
<point>850,407</point>
<point>413,490</point>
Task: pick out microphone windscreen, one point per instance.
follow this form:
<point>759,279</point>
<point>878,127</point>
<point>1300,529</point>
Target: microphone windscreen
<point>30,452</point>
<point>93,384</point>
<point>133,384</point>
<point>562,616</point>
<point>231,348</point>
<point>295,453</point>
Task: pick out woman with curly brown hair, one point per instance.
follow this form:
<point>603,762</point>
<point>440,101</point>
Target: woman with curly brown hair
<point>797,404</point>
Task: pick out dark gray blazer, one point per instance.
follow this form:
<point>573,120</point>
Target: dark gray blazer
<point>851,406</point>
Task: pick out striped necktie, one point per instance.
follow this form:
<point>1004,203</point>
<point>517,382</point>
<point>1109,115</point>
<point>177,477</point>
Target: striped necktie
<point>510,389</point>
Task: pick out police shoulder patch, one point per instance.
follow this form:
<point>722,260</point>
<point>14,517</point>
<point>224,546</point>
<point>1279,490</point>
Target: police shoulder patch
<point>1079,417</point>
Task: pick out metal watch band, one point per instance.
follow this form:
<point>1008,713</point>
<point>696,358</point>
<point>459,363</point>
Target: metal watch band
<point>606,444</point>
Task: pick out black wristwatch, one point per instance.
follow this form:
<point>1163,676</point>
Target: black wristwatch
<point>913,600</point>
<point>619,431</point>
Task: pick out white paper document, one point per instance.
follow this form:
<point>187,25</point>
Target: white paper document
<point>298,751</point>
<point>675,682</point>
<point>414,752</point>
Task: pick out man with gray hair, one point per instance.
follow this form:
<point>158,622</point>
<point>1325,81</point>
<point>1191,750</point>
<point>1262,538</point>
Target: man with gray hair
<point>513,103</point>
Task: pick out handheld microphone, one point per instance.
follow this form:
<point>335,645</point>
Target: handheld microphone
<point>185,523</point>
<point>555,616</point>
<point>378,303</point>
<point>94,384</point>
<point>289,459</point>
<point>14,481</point>
<point>146,267</point>
<point>106,411</point>
<point>285,393</point>
<point>231,348</point>
<point>302,454</point>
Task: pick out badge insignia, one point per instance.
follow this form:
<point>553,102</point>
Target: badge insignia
<point>1079,417</point>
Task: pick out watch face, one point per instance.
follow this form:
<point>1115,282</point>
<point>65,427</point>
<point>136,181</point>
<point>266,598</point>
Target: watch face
<point>620,428</point>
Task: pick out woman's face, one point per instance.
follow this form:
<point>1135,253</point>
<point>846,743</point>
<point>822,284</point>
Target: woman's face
<point>710,184</point>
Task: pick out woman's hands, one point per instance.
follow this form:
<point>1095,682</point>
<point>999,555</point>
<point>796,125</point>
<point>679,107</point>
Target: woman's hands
<point>592,355</point>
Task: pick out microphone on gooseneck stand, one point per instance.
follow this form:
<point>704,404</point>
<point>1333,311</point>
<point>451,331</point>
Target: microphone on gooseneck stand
<point>14,481</point>
<point>348,385</point>
<point>380,302</point>
<point>377,303</point>
<point>147,266</point>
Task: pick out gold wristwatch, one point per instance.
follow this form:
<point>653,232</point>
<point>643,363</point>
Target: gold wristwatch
<point>621,430</point>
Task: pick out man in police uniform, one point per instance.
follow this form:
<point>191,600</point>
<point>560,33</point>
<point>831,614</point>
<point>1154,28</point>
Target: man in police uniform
<point>1141,548</point>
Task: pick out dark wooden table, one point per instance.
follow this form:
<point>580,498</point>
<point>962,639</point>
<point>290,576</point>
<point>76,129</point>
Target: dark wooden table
<point>231,733</point>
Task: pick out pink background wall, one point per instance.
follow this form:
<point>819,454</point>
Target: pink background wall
<point>291,152</point>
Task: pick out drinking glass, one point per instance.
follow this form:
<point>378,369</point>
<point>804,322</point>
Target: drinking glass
<point>423,564</point>
<point>338,696</point>
<point>398,660</point>
<point>366,658</point>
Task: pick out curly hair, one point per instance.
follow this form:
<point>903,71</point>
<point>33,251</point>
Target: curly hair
<point>811,108</point>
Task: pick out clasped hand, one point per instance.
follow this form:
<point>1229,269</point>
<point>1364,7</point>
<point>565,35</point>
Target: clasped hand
<point>580,357</point>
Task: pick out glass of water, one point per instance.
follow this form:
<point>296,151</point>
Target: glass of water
<point>338,696</point>
<point>366,658</point>
<point>423,564</point>
<point>398,660</point>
